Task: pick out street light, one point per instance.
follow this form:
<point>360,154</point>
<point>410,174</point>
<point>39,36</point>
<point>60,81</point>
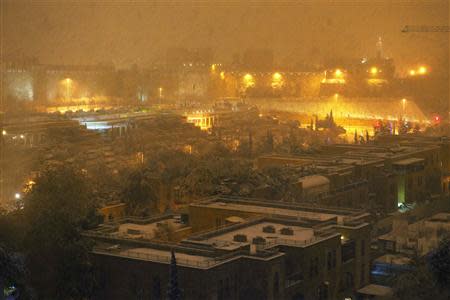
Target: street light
<point>277,80</point>
<point>17,196</point>
<point>4,132</point>
<point>422,70</point>
<point>249,81</point>
<point>374,70</point>
<point>276,76</point>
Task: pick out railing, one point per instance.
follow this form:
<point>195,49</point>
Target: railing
<point>280,241</point>
<point>204,263</point>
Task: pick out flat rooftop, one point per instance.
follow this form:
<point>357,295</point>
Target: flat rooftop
<point>295,211</point>
<point>301,236</point>
<point>379,150</point>
<point>133,230</point>
<point>165,256</point>
<point>443,217</point>
<point>156,253</point>
<point>138,228</point>
<point>408,161</point>
<point>393,259</point>
<point>274,211</point>
<point>376,290</point>
<point>186,254</point>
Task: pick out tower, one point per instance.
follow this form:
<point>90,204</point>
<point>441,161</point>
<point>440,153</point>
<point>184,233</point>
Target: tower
<point>379,46</point>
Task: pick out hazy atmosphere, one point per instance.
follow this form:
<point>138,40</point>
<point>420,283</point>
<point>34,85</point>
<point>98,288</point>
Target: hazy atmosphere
<point>139,32</point>
<point>224,150</point>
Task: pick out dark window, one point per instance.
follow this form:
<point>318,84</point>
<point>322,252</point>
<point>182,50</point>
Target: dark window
<point>220,295</point>
<point>298,297</point>
<point>348,251</point>
<point>227,288</point>
<point>363,247</point>
<point>316,266</point>
<point>322,292</point>
<point>363,273</point>
<point>276,284</point>
<point>348,280</point>
<point>334,258</point>
<point>156,289</point>
<point>329,261</point>
<point>313,267</point>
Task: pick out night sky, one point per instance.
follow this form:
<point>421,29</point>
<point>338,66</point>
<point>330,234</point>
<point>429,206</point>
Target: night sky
<point>129,32</point>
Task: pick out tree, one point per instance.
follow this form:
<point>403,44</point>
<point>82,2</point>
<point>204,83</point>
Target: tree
<point>282,182</point>
<point>13,271</point>
<point>439,261</point>
<point>56,211</point>
<point>417,284</point>
<point>429,279</point>
<point>268,142</point>
<point>139,192</point>
<point>173,291</point>
<point>164,232</point>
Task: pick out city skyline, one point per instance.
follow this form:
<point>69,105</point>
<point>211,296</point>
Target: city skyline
<point>139,32</point>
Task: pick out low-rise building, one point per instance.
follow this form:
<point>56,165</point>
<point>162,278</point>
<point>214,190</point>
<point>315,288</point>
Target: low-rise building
<point>418,237</point>
<point>291,253</point>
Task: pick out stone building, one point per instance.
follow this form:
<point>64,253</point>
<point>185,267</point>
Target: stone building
<point>270,252</point>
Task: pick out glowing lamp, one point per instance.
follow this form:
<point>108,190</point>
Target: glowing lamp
<point>338,73</point>
<point>248,80</point>
<point>276,76</point>
<point>374,70</point>
<point>248,77</point>
<point>422,70</point>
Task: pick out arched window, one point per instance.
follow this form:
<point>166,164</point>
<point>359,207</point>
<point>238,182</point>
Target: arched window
<point>322,292</point>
